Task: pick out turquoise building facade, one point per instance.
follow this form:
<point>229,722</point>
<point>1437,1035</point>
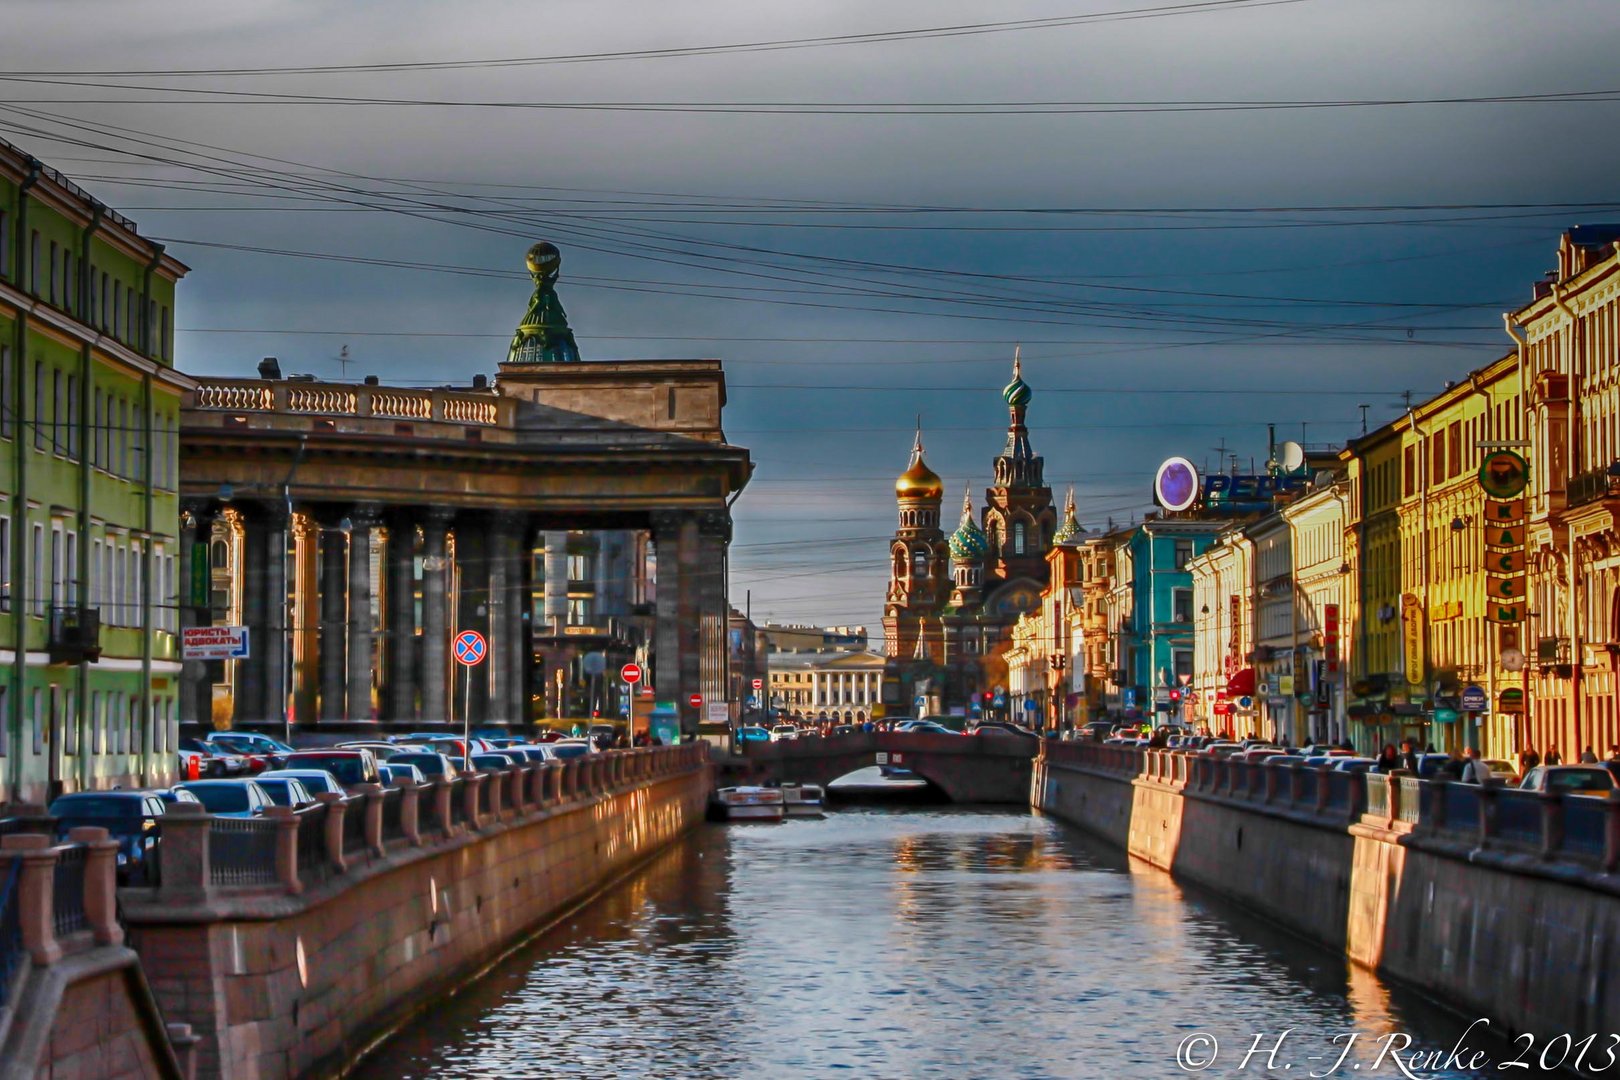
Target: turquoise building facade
<point>1153,617</point>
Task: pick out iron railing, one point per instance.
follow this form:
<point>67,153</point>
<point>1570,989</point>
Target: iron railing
<point>11,943</point>
<point>393,820</point>
<point>67,906</point>
<point>314,866</point>
<point>355,848</point>
<point>242,851</point>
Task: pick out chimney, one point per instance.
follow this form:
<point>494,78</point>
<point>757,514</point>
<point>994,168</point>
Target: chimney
<point>480,382</point>
<point>371,380</point>
<point>270,368</point>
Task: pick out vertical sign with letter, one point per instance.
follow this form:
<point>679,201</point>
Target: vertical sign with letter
<point>1330,638</point>
<point>1412,637</point>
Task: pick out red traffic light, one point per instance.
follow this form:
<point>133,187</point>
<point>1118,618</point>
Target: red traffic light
<point>988,697</point>
<point>1175,695</point>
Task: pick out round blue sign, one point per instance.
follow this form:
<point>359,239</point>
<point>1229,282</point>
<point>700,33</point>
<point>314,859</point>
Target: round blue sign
<point>1474,699</point>
<point>1176,484</point>
<point>1029,705</point>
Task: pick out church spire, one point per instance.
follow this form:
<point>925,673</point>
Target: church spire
<point>1018,466</point>
<point>1070,529</point>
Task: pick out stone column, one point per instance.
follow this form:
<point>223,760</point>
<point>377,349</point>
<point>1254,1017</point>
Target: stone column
<point>306,618</point>
<point>671,638</point>
<point>248,684</point>
<point>520,662</point>
<point>334,612</point>
<point>196,689</point>
<point>472,603</point>
<point>502,558</point>
<point>435,618</point>
<point>277,680</point>
<point>400,665</point>
<point>361,520</point>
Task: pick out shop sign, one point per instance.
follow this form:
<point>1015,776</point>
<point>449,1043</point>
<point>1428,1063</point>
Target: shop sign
<point>1330,637</point>
<point>1412,637</point>
<point>1511,700</point>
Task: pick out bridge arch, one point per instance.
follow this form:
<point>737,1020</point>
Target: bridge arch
<point>965,768</point>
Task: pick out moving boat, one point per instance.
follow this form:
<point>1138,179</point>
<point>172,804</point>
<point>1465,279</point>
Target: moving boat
<point>802,800</point>
<point>750,804</point>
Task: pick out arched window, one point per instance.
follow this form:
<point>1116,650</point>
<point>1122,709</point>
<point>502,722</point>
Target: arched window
<point>219,554</point>
<point>1018,538</point>
<point>919,564</point>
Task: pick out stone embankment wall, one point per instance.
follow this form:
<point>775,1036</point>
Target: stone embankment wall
<point>292,945</point>
<point>1498,903</point>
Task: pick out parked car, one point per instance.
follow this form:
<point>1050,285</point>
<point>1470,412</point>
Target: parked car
<point>783,732</point>
<point>315,781</point>
<point>1282,759</point>
<point>431,763</point>
<point>548,735</point>
<point>254,756</point>
<point>230,798</point>
<point>285,791</point>
<point>1599,779</point>
<point>838,729</point>
<point>173,795</point>
<point>1352,764</point>
<point>928,727</point>
<point>458,748</point>
<point>753,734</point>
<point>130,817</point>
<point>392,773</point>
<point>249,742</point>
<point>382,751</point>
<point>490,762</point>
<point>349,766</point>
<point>1503,771</point>
<point>216,761</point>
<point>1259,753</point>
<point>1001,727</point>
<point>572,748</point>
<point>531,753</point>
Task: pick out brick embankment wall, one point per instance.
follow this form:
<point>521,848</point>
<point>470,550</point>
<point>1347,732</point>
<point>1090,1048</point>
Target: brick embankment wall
<point>1527,940</point>
<point>300,985</point>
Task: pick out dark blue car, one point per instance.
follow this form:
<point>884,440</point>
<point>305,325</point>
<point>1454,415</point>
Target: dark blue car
<point>130,817</point>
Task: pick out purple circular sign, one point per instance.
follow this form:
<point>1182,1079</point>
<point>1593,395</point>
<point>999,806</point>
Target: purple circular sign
<point>1176,485</point>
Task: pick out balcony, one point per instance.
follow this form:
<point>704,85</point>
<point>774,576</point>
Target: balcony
<point>75,635</point>
<point>1591,486</point>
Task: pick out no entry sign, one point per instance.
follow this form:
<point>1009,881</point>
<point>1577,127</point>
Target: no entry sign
<point>759,684</point>
<point>696,701</point>
<point>630,673</point>
<point>470,648</point>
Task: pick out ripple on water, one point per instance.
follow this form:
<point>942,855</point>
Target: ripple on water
<point>956,942</point>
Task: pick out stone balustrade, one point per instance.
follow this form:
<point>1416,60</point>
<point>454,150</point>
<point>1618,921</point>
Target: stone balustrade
<point>1550,826</point>
<point>290,852</point>
<point>358,400</point>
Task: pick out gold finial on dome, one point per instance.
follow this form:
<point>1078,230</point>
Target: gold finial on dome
<point>919,481</point>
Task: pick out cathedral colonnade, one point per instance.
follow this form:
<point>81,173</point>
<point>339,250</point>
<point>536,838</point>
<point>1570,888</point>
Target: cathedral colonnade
<point>351,610</point>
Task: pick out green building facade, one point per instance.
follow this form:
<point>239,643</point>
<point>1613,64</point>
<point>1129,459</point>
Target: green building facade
<point>89,515</point>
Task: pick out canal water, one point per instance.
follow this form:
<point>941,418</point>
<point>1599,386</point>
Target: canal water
<point>902,942</point>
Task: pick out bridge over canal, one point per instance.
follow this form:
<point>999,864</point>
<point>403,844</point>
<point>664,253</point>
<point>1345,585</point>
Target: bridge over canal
<point>966,768</point>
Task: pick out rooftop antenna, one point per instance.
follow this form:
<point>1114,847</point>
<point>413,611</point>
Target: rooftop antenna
<point>1364,407</point>
<point>343,362</point>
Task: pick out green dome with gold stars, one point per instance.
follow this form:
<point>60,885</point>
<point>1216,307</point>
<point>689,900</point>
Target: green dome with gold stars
<point>1017,393</point>
<point>968,543</point>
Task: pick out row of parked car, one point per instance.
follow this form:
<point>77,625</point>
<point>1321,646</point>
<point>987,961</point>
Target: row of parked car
<point>242,774</point>
<point>1593,778</point>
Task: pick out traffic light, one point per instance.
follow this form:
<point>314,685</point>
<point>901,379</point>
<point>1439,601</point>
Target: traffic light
<point>1175,695</point>
<point>988,697</point>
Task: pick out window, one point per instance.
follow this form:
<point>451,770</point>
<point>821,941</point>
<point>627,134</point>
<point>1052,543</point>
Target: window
<point>39,405</point>
<point>37,557</point>
<point>38,721</point>
<point>118,307</point>
<point>72,440</point>
<point>67,280</point>
<point>919,564</point>
<point>58,412</point>
<point>1409,484</point>
<point>5,251</point>
<point>165,344</point>
<point>5,571</point>
<point>105,309</point>
<point>95,573</point>
<point>50,282</point>
<point>1183,554</point>
<point>33,262</point>
<point>1181,604</point>
<point>579,611</point>
<point>97,419</point>
<point>7,404</point>
<point>1181,663</point>
<point>581,567</point>
<point>56,565</point>
<point>137,615</point>
<point>70,592</point>
<point>70,723</point>
<point>98,721</point>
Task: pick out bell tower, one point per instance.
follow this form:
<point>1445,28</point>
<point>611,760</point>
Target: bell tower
<point>918,579</point>
<point>1019,520</point>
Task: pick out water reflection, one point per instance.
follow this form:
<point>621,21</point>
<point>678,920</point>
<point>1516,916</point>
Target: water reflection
<point>882,943</point>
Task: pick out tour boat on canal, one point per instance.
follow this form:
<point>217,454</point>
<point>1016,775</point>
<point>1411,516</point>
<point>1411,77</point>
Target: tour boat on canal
<point>750,804</point>
<point>802,800</point>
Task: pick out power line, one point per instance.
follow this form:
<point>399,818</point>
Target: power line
<point>768,45</point>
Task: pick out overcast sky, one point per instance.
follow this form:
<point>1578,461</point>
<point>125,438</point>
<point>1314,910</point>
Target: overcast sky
<point>858,260</point>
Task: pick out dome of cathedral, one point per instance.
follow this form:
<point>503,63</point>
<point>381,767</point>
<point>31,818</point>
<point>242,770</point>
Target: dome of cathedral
<point>1017,393</point>
<point>968,543</point>
<point>919,482</point>
<point>1070,530</point>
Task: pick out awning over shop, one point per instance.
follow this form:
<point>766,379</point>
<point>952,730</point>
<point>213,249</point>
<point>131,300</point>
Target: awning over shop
<point>1241,684</point>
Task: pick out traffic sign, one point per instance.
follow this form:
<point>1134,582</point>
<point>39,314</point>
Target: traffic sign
<point>696,701</point>
<point>470,648</point>
<point>630,673</point>
<point>759,684</point>
<point>1474,699</point>
<point>1029,705</point>
<point>920,702</point>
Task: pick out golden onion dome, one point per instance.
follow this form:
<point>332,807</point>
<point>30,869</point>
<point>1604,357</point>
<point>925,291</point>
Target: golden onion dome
<point>919,481</point>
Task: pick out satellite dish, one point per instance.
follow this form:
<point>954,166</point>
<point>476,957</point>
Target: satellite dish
<point>1293,456</point>
<point>1323,479</point>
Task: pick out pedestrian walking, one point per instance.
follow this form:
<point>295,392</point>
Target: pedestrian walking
<point>1528,758</point>
<point>1388,759</point>
<point>1553,756</point>
<point>1475,771</point>
<point>1614,753</point>
<point>1409,757</point>
<point>1588,757</point>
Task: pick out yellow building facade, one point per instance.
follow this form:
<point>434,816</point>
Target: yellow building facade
<point>1416,629</point>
